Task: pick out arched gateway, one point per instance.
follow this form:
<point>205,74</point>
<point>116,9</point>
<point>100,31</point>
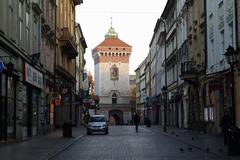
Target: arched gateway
<point>116,117</point>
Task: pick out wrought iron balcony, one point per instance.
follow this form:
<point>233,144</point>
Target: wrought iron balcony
<point>188,71</point>
<point>68,44</point>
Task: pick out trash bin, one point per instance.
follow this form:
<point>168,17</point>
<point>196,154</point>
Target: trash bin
<point>233,141</point>
<point>67,129</point>
<point>149,123</point>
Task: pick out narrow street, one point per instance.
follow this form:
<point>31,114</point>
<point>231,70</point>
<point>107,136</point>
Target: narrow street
<point>124,143</point>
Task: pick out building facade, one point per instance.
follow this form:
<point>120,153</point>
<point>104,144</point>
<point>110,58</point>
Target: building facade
<point>38,52</point>
<point>153,99</point>
<point>221,29</point>
<point>65,61</point>
<point>182,53</point>
<point>111,76</point>
<point>169,15</point>
<point>22,75</point>
<point>193,67</point>
<point>201,85</point>
<point>141,90</point>
<point>80,63</point>
<point>47,56</point>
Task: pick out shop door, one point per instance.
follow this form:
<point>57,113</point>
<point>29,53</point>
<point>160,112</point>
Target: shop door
<point>3,108</point>
<point>29,112</point>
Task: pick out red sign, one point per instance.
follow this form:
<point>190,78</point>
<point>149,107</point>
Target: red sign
<point>57,102</point>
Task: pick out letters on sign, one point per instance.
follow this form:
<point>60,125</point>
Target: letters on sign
<point>33,76</point>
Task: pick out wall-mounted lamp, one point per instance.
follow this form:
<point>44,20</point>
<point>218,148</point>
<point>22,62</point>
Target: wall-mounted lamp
<point>35,57</point>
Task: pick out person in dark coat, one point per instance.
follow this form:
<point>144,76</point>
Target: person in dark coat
<point>136,120</point>
<point>225,124</point>
<point>86,119</point>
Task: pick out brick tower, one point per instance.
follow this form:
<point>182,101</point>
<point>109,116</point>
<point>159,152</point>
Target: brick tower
<point>111,75</point>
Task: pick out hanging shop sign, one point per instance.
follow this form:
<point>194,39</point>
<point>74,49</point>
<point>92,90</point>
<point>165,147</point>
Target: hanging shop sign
<point>33,76</point>
<point>57,102</point>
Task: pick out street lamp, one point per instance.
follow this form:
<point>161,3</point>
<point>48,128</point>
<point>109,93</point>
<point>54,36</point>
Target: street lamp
<point>232,59</point>
<point>164,89</point>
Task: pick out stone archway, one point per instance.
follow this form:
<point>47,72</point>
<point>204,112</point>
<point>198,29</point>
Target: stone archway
<point>116,117</point>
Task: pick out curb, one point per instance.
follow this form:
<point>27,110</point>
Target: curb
<point>64,148</point>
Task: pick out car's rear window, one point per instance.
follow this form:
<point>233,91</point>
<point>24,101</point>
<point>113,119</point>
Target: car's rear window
<point>97,119</point>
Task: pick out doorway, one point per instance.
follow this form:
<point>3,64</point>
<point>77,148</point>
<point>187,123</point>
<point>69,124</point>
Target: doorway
<point>29,111</point>
<point>116,116</point>
<point>7,107</point>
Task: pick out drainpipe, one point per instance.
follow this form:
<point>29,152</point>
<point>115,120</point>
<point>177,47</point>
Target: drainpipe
<point>177,60</point>
<point>54,64</point>
<point>206,61</point>
<point>237,46</point>
<point>236,23</point>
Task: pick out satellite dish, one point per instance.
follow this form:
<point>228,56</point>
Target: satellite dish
<point>1,66</point>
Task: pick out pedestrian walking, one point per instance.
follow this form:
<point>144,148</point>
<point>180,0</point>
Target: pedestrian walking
<point>136,121</point>
<point>86,119</point>
<point>225,124</point>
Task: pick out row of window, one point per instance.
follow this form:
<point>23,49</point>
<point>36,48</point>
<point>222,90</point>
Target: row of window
<point>115,54</point>
<point>21,24</point>
<point>220,31</point>
<point>115,48</point>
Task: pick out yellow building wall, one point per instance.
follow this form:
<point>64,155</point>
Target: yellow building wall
<point>65,19</point>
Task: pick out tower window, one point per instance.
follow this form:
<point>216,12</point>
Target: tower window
<point>114,98</point>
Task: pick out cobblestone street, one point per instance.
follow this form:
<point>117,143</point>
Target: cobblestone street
<point>123,143</point>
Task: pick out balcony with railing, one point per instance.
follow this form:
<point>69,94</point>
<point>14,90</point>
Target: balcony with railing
<point>189,71</point>
<point>68,45</point>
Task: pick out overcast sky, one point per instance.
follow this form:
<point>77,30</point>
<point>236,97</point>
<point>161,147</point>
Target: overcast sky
<point>133,20</point>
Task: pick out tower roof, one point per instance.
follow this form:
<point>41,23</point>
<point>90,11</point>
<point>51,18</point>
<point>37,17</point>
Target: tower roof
<point>114,42</point>
<point>111,32</point>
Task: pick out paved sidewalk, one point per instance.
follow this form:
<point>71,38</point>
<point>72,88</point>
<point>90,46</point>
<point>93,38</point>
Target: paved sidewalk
<point>40,148</point>
<point>209,143</point>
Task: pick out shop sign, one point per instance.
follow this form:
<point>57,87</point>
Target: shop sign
<point>215,85</point>
<point>57,102</point>
<point>33,76</point>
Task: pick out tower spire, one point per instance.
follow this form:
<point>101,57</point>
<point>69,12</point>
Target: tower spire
<point>111,32</point>
<point>111,22</point>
